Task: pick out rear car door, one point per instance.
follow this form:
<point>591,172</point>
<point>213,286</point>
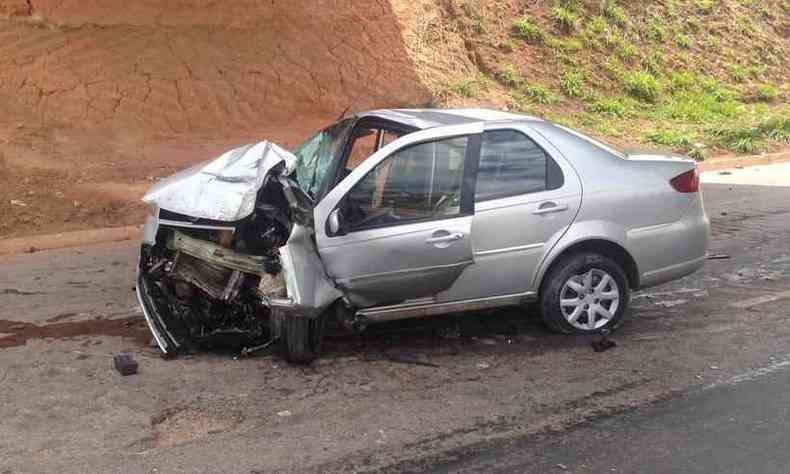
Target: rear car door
<point>527,195</point>
<point>405,218</point>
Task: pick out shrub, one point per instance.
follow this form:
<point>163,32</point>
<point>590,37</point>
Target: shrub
<point>526,29</point>
<point>654,62</point>
<point>611,106</point>
<point>568,45</point>
<point>571,83</point>
<point>597,25</point>
<point>509,76</point>
<point>656,30</point>
<point>642,85</point>
<point>738,72</point>
<point>682,81</point>
<point>615,13</point>
<point>672,138</point>
<point>564,18</point>
<point>627,51</point>
<point>539,94</point>
<point>767,92</point>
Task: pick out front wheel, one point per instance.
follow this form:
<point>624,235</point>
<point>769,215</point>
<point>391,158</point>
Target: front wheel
<point>583,294</point>
<point>301,338</point>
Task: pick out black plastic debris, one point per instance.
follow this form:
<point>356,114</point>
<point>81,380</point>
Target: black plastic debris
<point>604,343</point>
<point>125,364</point>
<point>718,256</point>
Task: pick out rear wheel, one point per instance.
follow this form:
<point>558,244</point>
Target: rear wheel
<point>301,338</point>
<point>583,294</point>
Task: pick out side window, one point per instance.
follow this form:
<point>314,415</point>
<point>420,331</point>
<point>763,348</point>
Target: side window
<point>512,164</point>
<point>416,183</point>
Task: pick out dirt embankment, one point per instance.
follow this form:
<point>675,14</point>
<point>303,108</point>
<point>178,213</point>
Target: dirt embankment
<point>100,97</point>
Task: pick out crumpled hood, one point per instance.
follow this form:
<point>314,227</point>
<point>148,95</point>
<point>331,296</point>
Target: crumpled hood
<point>223,189</point>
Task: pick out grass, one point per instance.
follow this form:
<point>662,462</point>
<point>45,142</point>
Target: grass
<point>767,92</point>
<point>691,75</point>
<point>642,85</point>
<point>469,87</point>
<point>752,138</point>
<point>564,18</point>
<point>615,13</point>
<point>673,138</point>
<point>572,83</point>
<point>526,29</point>
<point>612,106</point>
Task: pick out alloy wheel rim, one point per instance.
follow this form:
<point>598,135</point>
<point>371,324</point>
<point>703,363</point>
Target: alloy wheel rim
<point>590,300</point>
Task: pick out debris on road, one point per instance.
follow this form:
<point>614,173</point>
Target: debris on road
<point>284,413</point>
<point>718,256</point>
<point>125,364</point>
<point>604,343</point>
<point>483,365</point>
<point>671,303</point>
<point>17,202</point>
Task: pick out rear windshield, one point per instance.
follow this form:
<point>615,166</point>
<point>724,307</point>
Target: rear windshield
<point>610,148</point>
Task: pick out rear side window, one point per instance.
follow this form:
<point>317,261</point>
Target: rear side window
<point>512,164</point>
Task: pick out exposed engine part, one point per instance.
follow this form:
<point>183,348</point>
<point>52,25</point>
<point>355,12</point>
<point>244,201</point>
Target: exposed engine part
<point>218,255</point>
<point>272,286</point>
<point>217,282</point>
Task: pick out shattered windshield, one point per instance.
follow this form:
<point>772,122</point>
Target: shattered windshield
<point>315,156</point>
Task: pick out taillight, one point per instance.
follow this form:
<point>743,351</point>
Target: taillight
<point>687,182</point>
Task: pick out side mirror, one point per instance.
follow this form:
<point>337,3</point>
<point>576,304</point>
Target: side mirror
<point>335,222</point>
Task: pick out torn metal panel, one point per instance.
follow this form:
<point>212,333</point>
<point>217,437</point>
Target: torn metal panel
<point>218,255</point>
<point>223,189</point>
<point>310,290</point>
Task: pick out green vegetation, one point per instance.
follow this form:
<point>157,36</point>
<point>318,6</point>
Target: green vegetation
<point>564,18</point>
<point>615,13</point>
<point>767,92</point>
<point>470,87</point>
<point>539,94</point>
<point>695,76</point>
<point>752,138</point>
<point>672,138</point>
<point>642,85</point>
<point>612,106</point>
<point>571,83</point>
<point>526,29</point>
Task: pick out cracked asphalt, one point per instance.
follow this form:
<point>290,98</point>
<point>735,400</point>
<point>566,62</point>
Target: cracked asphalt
<point>492,380</point>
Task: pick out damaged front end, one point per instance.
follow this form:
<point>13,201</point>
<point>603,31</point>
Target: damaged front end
<point>229,252</point>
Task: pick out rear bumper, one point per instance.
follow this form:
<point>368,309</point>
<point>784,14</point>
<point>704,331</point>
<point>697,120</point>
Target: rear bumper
<point>674,272</point>
<point>675,251</point>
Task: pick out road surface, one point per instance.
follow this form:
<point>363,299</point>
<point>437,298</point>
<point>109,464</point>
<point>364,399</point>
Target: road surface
<point>497,379</point>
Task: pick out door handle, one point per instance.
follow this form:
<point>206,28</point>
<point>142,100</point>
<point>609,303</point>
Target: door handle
<point>549,207</point>
<point>454,237</point>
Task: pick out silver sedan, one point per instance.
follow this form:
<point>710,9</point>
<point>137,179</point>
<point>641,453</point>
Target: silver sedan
<point>394,214</point>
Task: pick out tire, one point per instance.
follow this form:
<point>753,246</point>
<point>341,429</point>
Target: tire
<point>301,338</point>
<point>572,304</point>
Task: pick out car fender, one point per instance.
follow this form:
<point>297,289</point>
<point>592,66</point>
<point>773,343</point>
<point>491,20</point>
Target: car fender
<point>581,231</point>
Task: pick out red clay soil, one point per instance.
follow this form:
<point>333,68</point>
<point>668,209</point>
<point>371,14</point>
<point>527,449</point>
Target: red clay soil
<point>98,98</point>
<point>15,333</point>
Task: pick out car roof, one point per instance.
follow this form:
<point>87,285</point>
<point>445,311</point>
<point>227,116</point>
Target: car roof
<point>429,118</point>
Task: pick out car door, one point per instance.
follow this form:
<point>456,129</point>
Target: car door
<point>527,195</point>
<point>403,218</point>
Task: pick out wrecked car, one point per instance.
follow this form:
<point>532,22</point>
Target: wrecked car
<point>395,214</point>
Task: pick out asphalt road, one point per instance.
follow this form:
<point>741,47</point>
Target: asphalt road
<point>736,427</point>
<point>498,380</point>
